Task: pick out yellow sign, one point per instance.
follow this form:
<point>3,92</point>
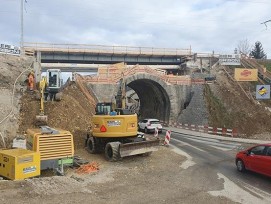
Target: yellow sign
<point>241,74</point>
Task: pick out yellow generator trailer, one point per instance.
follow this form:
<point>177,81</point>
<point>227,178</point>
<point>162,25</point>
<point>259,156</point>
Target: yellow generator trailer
<point>55,146</point>
<point>19,164</point>
<point>115,133</point>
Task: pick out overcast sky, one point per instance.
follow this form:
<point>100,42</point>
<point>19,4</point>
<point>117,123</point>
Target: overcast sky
<point>205,25</point>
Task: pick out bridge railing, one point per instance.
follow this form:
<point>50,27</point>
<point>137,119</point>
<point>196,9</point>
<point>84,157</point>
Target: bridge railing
<point>112,76</point>
<point>106,49</point>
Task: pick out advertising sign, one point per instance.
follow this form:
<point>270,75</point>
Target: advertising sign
<point>232,59</point>
<point>263,92</point>
<point>241,74</point>
<point>9,49</point>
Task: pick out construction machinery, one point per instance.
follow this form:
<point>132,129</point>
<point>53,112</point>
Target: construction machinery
<point>55,146</point>
<point>48,86</point>
<point>19,164</point>
<point>54,84</point>
<point>114,131</point>
<point>42,118</point>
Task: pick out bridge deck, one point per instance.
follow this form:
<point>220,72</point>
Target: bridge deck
<point>106,50</point>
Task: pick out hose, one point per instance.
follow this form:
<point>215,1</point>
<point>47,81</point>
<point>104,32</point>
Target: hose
<point>12,97</point>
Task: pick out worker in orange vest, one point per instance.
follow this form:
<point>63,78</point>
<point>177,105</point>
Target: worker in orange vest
<point>31,81</point>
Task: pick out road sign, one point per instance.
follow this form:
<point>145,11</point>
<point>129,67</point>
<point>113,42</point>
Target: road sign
<point>241,74</point>
<point>263,92</point>
<point>232,59</point>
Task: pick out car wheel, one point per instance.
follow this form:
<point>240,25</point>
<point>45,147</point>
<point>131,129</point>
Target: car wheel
<point>146,130</point>
<point>240,165</point>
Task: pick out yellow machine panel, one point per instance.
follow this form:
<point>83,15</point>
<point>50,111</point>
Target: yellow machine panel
<point>50,143</point>
<point>114,126</point>
<point>18,164</point>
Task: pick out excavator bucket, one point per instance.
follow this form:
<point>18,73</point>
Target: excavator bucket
<point>136,148</point>
<point>41,120</point>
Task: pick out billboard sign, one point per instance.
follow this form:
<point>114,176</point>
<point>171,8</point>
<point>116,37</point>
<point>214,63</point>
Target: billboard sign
<point>241,74</point>
<point>9,49</point>
<point>263,92</point>
<point>232,59</point>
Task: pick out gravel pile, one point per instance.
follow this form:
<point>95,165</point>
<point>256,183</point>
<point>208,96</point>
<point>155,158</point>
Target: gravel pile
<point>196,112</point>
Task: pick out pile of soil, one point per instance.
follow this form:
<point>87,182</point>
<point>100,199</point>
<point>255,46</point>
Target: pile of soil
<point>72,113</point>
<point>230,107</point>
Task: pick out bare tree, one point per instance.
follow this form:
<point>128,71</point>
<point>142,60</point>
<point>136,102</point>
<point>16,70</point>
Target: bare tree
<point>244,47</point>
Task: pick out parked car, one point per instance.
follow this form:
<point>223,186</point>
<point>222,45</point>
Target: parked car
<point>149,125</point>
<point>256,158</point>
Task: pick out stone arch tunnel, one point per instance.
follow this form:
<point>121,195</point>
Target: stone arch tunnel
<point>158,99</point>
<point>154,100</point>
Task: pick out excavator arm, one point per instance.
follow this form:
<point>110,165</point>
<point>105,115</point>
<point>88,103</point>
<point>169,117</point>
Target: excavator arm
<point>41,119</point>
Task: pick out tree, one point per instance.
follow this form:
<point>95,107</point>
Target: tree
<point>257,52</point>
<point>244,47</point>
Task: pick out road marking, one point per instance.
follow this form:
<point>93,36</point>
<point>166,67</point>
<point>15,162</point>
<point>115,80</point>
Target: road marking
<point>189,162</point>
<point>220,148</point>
<point>237,194</point>
<point>255,190</point>
<point>187,144</point>
<point>229,146</point>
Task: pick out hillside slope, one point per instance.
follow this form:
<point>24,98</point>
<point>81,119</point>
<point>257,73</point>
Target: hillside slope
<point>229,106</point>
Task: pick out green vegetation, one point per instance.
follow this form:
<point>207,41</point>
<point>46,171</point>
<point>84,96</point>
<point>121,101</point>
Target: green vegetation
<point>266,63</point>
<point>257,52</point>
<point>218,115</point>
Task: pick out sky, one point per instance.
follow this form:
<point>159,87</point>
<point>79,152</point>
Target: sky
<point>205,25</point>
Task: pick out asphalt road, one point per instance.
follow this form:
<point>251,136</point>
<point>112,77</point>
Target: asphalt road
<point>218,157</point>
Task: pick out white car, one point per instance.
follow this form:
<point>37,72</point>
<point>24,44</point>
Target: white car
<point>149,125</point>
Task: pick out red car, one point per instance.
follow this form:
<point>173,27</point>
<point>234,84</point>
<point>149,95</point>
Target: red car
<point>257,159</point>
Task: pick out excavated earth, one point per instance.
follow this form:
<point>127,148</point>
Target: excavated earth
<point>72,113</point>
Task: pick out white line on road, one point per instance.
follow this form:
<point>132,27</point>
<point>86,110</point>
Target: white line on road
<point>187,144</point>
<point>189,162</point>
<point>229,146</point>
<point>237,194</point>
<point>220,148</point>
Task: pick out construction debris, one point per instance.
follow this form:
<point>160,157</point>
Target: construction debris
<point>88,168</point>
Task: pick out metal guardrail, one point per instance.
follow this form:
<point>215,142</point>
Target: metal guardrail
<point>85,48</point>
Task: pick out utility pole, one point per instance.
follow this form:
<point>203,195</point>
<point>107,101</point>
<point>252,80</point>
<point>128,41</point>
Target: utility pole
<point>22,28</point>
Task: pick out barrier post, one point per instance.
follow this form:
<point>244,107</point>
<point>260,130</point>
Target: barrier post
<point>167,138</point>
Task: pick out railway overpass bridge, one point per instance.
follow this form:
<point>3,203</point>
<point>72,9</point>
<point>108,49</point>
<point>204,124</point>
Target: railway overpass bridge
<point>82,57</point>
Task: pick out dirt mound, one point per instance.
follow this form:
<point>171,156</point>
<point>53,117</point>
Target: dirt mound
<point>231,107</point>
<point>72,113</point>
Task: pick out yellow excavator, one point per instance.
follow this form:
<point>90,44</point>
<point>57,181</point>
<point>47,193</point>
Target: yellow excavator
<point>114,131</point>
<point>48,89</point>
<point>42,119</point>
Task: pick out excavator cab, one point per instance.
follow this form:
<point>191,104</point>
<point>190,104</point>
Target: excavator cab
<point>54,78</point>
<point>104,108</point>
<point>54,83</point>
<point>109,109</point>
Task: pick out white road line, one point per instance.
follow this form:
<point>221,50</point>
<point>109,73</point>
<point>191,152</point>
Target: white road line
<point>188,162</point>
<point>255,190</point>
<point>237,194</point>
<point>230,146</point>
<point>187,144</point>
<point>221,148</point>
